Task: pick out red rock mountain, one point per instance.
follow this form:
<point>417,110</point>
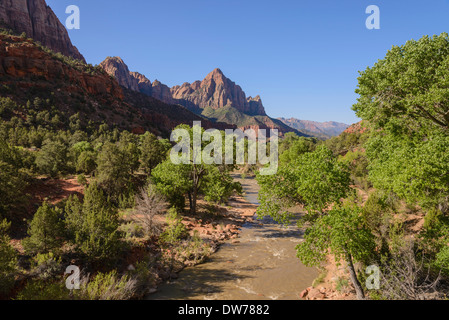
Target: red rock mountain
<point>216,91</point>
<point>115,67</point>
<point>39,22</point>
<point>27,71</point>
<point>216,97</point>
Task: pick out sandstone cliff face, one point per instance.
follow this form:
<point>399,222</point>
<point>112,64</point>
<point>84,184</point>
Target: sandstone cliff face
<point>21,58</point>
<point>217,91</point>
<point>162,92</point>
<point>144,84</point>
<point>39,22</point>
<point>115,67</point>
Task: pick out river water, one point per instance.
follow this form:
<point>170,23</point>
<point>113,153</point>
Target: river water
<point>262,266</point>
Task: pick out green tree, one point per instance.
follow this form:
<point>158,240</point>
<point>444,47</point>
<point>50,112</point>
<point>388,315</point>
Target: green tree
<point>52,159</point>
<point>86,162</point>
<point>152,152</point>
<point>45,231</point>
<point>343,233</point>
<point>8,260</point>
<point>193,178</point>
<point>314,179</point>
<point>94,225</point>
<point>293,146</point>
<point>219,185</point>
<point>114,172</point>
<point>408,89</point>
<point>12,180</point>
<point>173,181</point>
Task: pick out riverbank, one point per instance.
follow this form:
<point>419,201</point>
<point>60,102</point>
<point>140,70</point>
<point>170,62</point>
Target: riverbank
<point>214,225</point>
<point>257,261</point>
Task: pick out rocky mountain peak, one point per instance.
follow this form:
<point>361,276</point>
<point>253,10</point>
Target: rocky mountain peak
<point>217,91</point>
<point>116,67</point>
<point>39,22</point>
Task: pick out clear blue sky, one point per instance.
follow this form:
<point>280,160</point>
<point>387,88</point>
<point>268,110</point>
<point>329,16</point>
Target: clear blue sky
<point>301,56</point>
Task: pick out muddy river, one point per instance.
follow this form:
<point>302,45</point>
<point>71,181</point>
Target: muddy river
<point>263,265</point>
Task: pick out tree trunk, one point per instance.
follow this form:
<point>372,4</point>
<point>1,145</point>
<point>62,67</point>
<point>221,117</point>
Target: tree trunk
<point>194,198</point>
<point>354,280</point>
<point>190,201</point>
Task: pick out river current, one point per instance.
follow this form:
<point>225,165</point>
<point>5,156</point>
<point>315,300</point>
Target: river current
<point>261,266</point>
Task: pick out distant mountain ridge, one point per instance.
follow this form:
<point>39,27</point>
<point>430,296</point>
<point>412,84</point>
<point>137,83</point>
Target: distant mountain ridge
<point>216,97</point>
<point>318,129</point>
<point>28,71</point>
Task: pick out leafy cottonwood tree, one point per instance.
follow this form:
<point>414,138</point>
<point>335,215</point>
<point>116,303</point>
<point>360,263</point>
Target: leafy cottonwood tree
<point>343,233</point>
<point>409,88</point>
<point>314,179</point>
<point>406,97</point>
<point>192,179</point>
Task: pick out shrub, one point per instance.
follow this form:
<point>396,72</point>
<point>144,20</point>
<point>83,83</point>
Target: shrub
<point>175,230</point>
<point>8,260</point>
<point>43,290</point>
<point>110,286</point>
<point>45,231</point>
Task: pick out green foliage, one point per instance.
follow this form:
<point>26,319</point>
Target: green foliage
<point>342,232</point>
<point>346,141</point>
<point>292,147</point>
<point>8,260</point>
<point>175,230</point>
<point>52,159</point>
<point>81,179</point>
<point>12,180</point>
<point>314,179</point>
<point>7,105</point>
<point>152,152</point>
<point>414,169</point>
<point>109,286</point>
<point>86,162</point>
<point>93,225</point>
<point>47,266</point>
<point>44,290</point>
<point>114,169</point>
<point>45,231</point>
<point>173,181</point>
<point>378,213</point>
<point>219,185</point>
<point>408,89</point>
<point>341,284</point>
